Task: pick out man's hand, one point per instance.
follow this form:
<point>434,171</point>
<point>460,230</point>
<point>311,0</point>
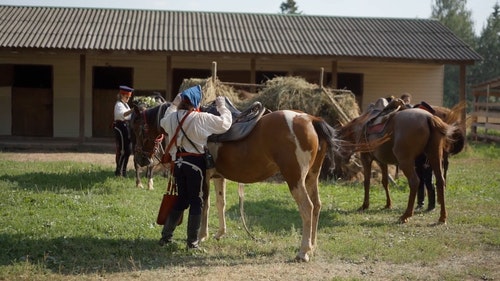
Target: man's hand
<point>177,100</point>
<point>220,101</point>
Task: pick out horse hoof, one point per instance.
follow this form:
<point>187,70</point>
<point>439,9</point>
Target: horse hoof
<point>302,258</point>
<point>403,220</point>
<point>218,236</point>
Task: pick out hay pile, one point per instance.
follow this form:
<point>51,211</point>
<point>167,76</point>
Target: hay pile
<point>211,90</point>
<point>287,93</point>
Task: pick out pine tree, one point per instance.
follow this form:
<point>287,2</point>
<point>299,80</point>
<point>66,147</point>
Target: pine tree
<point>489,48</point>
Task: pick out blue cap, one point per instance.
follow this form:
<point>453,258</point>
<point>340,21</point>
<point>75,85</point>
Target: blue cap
<point>193,94</point>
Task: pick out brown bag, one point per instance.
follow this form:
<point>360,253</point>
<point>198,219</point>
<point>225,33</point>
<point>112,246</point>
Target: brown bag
<point>167,203</point>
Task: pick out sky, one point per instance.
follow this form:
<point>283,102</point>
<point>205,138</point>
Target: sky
<point>481,9</point>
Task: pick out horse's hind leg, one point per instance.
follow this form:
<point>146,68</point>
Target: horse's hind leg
<point>366,161</point>
<point>408,169</point>
<point>305,205</point>
<point>436,164</point>
<point>385,184</point>
<point>312,190</point>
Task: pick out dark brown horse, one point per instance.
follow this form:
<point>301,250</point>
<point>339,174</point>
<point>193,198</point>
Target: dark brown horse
<point>147,141</point>
<point>412,132</point>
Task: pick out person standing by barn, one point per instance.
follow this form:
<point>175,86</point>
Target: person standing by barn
<point>122,115</point>
<point>188,155</point>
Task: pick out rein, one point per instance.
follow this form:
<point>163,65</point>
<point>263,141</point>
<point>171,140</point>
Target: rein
<point>158,140</point>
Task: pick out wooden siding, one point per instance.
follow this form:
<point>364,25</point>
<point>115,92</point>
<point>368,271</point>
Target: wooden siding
<point>423,81</point>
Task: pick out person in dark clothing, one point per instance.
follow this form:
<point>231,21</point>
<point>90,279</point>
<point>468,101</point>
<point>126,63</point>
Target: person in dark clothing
<point>122,115</point>
<point>187,153</point>
<point>424,172</point>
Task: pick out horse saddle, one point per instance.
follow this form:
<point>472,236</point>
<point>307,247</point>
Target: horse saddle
<point>376,125</point>
<point>243,121</point>
<point>425,106</point>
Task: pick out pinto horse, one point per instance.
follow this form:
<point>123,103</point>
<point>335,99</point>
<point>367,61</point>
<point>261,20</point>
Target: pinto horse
<point>147,140</point>
<point>290,142</point>
<point>412,132</point>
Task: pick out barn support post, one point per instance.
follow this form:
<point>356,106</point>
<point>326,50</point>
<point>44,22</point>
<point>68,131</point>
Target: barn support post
<point>463,98</point>
<point>334,75</point>
<point>169,74</point>
<point>81,115</point>
<point>253,75</point>
<point>321,75</point>
<point>214,71</point>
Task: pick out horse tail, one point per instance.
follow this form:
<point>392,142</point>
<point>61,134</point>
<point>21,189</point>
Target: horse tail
<point>446,132</point>
<point>327,134</point>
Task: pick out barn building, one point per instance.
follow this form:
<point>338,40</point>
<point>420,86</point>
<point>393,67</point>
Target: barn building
<point>61,67</point>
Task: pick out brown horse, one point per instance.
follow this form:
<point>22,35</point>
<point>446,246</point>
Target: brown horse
<point>412,132</point>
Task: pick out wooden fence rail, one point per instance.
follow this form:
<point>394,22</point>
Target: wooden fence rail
<point>486,114</point>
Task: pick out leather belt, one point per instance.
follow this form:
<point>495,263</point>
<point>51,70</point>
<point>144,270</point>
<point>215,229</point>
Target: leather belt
<point>183,154</point>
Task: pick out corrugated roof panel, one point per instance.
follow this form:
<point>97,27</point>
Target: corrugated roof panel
<point>147,30</point>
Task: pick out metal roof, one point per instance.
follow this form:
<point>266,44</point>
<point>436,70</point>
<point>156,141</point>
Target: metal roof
<point>236,33</point>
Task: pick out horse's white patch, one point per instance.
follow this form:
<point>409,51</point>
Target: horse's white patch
<point>303,156</point>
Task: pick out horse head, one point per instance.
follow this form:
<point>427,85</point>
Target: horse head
<point>147,137</point>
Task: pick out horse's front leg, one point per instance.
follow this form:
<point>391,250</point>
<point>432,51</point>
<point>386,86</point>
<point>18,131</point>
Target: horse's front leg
<point>138,182</point>
<point>413,181</point>
<point>203,234</point>
<point>220,199</point>
<point>149,174</point>
<point>385,184</point>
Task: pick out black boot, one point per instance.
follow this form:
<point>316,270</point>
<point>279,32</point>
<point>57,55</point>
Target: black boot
<point>431,197</point>
<point>193,227</point>
<point>169,227</point>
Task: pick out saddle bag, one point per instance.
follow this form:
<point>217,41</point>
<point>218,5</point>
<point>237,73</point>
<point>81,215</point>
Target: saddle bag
<point>209,159</point>
<point>167,203</point>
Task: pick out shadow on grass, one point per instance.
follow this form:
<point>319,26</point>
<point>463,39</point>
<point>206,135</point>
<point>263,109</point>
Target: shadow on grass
<point>76,180</point>
<point>272,216</point>
<point>89,255</point>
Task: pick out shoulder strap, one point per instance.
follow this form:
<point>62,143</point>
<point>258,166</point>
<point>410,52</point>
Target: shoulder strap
<point>176,132</point>
<point>180,125</point>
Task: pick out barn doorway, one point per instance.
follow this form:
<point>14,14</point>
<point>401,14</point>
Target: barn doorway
<point>106,81</point>
<point>32,101</point>
<point>352,82</point>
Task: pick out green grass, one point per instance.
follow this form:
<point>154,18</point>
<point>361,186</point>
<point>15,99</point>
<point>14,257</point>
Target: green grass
<point>68,219</point>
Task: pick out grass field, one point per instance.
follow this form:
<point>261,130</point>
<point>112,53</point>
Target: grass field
<point>72,220</point>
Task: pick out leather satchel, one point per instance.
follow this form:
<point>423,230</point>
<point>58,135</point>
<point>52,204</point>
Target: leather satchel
<point>167,203</point>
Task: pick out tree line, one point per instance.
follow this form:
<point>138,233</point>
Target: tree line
<point>454,15</point>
